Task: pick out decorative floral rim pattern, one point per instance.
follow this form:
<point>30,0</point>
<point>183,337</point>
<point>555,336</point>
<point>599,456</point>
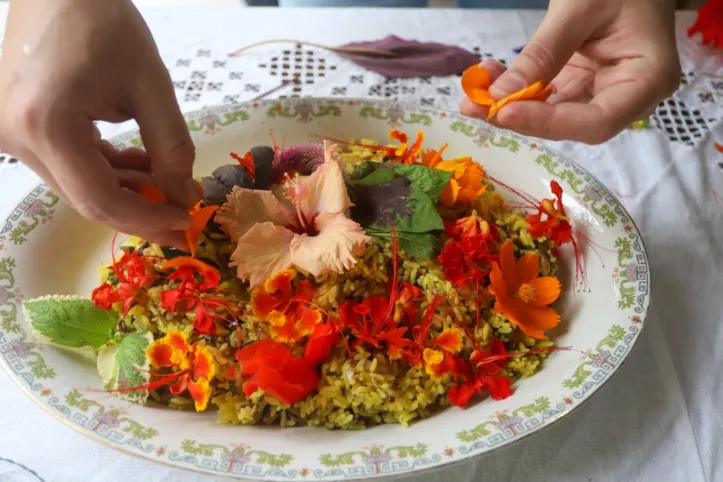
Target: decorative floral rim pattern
<point>26,364</point>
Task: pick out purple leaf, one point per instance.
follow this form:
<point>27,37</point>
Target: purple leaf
<point>396,57</point>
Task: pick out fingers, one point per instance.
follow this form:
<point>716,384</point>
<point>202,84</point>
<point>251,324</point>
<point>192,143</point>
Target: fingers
<point>167,140</point>
<point>563,30</point>
<point>469,108</point>
<point>609,112</point>
<point>92,185</point>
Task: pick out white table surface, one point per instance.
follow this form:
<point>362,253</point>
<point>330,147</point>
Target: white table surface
<point>659,419</point>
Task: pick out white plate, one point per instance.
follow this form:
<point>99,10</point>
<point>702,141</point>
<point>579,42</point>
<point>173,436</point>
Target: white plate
<point>45,248</point>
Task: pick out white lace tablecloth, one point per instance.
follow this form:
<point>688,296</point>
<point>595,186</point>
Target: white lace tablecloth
<point>660,419</point>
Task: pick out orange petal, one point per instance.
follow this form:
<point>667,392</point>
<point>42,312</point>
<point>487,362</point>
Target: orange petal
<point>204,365</point>
<point>457,166</point>
<point>450,193</point>
<point>498,286</point>
<point>450,340</point>
<point>398,136</point>
<point>189,262</point>
<point>718,147</point>
<point>200,391</point>
<point>431,158</point>
<point>280,284</point>
<point>246,161</point>
<point>475,82</point>
<point>547,291</point>
<point>531,320</point>
<point>286,333</point>
<point>152,193</point>
<point>507,263</point>
<point>432,357</point>
<point>417,146</point>
<point>159,353</point>
<point>306,319</point>
<point>527,268</point>
<point>199,220</point>
<point>178,340</point>
<point>263,303</point>
<point>537,91</point>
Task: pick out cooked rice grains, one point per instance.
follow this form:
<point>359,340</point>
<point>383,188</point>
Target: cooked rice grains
<point>369,388</point>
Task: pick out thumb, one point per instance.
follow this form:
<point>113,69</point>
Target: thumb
<point>561,33</point>
<point>167,140</point>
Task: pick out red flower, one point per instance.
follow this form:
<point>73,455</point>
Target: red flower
<point>197,280</point>
<point>285,308</point>
<point>484,375</point>
<point>273,368</point>
<point>467,262</point>
<point>556,225</point>
<point>132,273</point>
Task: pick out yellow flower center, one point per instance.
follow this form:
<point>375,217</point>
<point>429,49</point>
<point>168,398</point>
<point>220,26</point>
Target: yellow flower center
<point>432,357</point>
<point>527,293</point>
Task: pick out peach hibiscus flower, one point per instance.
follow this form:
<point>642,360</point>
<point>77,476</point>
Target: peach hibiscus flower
<point>301,224</point>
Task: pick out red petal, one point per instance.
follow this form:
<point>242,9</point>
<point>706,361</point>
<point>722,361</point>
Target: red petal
<point>498,386</point>
<point>461,394</point>
<point>104,296</point>
<point>180,385</point>
<point>204,322</point>
<point>320,343</point>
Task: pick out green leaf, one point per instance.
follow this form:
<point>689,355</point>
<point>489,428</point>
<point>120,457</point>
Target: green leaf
<point>420,245</point>
<point>70,321</point>
<point>430,181</point>
<point>424,216</point>
<point>125,365</point>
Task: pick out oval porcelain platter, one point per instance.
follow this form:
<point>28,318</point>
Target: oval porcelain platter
<point>46,248</point>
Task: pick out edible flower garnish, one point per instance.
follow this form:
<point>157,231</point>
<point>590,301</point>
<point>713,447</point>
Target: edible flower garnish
<point>246,161</point>
<point>200,215</point>
<point>466,258</point>
<point>192,294</point>
<point>466,183</point>
<point>285,308</point>
<point>302,225</point>
<point>274,369</point>
<point>133,273</point>
<point>476,82</point>
<point>405,153</point>
<point>520,295</point>
<point>195,364</point>
<point>483,375</point>
<point>556,226</point>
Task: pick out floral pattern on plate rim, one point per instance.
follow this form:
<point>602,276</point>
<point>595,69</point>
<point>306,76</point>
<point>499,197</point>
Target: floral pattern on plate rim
<point>24,361</point>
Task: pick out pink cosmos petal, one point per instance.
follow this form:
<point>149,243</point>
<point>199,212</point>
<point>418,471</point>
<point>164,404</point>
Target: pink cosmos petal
<point>247,207</point>
<point>262,252</point>
<point>335,248</point>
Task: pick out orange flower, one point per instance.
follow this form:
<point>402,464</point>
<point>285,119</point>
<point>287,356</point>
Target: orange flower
<point>246,161</point>
<point>521,296</point>
<point>436,357</point>
<point>199,215</point>
<point>476,82</point>
<point>465,185</point>
<point>404,153</point>
<point>195,362</point>
<point>284,308</point>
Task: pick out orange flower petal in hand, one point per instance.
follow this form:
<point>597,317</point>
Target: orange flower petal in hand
<point>476,82</point>
<point>536,91</point>
<point>199,219</point>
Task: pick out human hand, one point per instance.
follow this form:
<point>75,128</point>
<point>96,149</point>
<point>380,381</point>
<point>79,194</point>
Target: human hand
<point>67,63</point>
<point>610,62</point>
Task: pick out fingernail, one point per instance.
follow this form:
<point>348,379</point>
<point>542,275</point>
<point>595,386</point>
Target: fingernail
<point>508,83</point>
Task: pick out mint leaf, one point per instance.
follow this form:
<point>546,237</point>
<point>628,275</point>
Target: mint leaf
<point>70,321</point>
<point>424,216</point>
<point>125,365</point>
